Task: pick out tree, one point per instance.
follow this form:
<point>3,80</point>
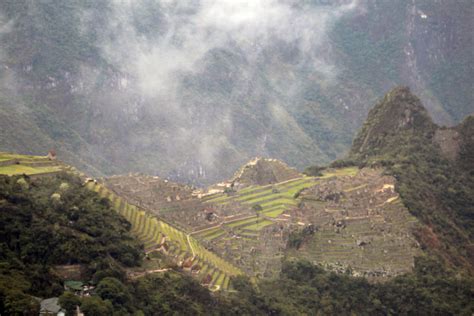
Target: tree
<point>257,208</point>
<point>114,290</point>
<point>69,301</point>
<point>95,306</point>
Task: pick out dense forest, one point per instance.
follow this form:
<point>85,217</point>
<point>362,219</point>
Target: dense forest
<point>55,221</point>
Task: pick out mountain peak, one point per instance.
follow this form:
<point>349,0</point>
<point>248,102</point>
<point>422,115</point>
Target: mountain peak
<point>399,112</point>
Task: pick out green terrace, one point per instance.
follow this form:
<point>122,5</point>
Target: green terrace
<point>15,164</point>
<point>154,233</point>
<point>254,194</point>
<point>273,200</point>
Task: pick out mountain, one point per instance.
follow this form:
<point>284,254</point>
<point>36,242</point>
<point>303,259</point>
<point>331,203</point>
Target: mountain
<point>174,89</point>
<point>403,191</point>
<point>432,166</point>
<point>387,230</point>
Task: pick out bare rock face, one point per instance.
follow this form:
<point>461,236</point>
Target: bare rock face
<point>448,141</point>
<point>466,151</point>
<point>262,171</point>
<point>456,143</point>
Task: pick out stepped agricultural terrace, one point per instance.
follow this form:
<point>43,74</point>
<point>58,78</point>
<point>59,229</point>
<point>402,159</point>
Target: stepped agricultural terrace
<point>358,223</point>
<point>366,229</point>
<point>361,226</point>
<point>156,235</point>
<point>14,164</point>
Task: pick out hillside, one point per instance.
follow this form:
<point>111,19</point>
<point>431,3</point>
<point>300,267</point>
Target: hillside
<point>63,242</point>
<point>432,166</point>
<point>375,233</point>
<point>53,229</point>
<point>96,81</point>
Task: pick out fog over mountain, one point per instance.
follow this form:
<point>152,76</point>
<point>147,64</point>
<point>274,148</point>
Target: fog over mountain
<point>201,63</point>
<point>237,157</point>
<point>193,89</point>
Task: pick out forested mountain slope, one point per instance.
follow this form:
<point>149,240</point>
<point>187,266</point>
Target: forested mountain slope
<point>136,86</point>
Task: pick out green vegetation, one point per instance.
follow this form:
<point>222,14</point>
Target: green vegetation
<point>259,225</point>
<point>274,212</point>
<point>398,135</point>
<point>14,164</point>
<point>269,200</point>
<point>305,289</point>
<point>313,171</point>
<point>242,222</point>
<point>214,235</point>
<point>22,169</point>
<point>150,231</point>
<point>36,234</point>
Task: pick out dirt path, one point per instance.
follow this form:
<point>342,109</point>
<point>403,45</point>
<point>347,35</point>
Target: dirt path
<point>190,245</point>
<point>137,275</point>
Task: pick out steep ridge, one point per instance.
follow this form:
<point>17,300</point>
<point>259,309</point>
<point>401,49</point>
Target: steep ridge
<point>433,166</point>
<point>398,117</point>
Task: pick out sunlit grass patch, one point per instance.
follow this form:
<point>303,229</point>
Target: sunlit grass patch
<point>9,156</point>
<point>349,171</point>
<point>264,199</point>
<point>282,201</point>
<point>242,222</point>
<point>253,195</point>
<point>274,213</point>
<point>214,235</point>
<point>11,170</point>
<point>208,232</point>
<point>258,226</point>
<point>295,189</point>
<point>293,182</point>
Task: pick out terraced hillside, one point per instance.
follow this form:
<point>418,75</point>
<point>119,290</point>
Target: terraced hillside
<point>156,234</point>
<point>15,164</point>
<point>186,251</point>
<point>171,201</point>
<point>359,224</point>
<point>255,236</point>
<point>346,219</point>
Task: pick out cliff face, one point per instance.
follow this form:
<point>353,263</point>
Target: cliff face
<point>466,148</point>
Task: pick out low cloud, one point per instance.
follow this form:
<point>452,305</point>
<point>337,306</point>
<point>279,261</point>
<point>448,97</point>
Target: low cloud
<point>168,65</point>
